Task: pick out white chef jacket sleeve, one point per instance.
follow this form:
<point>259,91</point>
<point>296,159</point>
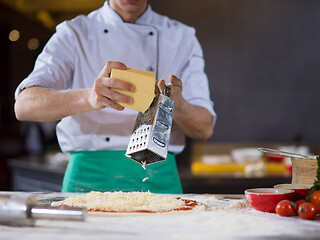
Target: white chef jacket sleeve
<point>54,66</point>
<point>195,82</point>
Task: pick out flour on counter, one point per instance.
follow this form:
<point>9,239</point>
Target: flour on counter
<point>217,202</point>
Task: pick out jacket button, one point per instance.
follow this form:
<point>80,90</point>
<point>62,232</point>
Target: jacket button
<point>150,33</point>
<point>105,31</point>
<point>107,139</point>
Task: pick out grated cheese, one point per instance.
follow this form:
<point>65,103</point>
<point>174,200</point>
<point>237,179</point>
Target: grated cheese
<point>144,165</point>
<point>145,179</point>
<point>125,202</point>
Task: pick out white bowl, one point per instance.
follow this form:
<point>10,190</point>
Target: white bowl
<point>246,155</point>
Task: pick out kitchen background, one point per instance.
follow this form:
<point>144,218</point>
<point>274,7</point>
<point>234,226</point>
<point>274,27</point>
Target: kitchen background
<point>262,60</point>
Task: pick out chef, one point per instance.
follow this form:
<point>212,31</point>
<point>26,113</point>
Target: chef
<point>71,84</point>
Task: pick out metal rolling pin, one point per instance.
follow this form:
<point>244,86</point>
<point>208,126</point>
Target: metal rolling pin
<point>19,210</point>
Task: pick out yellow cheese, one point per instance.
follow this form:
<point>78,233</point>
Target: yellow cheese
<point>144,83</point>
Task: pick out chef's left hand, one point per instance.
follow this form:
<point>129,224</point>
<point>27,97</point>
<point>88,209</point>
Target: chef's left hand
<point>175,85</point>
<point>195,121</point>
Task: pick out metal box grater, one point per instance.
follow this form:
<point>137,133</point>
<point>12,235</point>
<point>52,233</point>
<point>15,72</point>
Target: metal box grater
<point>150,138</point>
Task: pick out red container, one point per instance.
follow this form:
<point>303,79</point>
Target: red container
<point>300,190</point>
<point>273,157</point>
<point>266,199</point>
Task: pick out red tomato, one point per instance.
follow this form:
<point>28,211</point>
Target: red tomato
<point>284,208</point>
<point>297,205</point>
<point>315,200</point>
<point>307,211</point>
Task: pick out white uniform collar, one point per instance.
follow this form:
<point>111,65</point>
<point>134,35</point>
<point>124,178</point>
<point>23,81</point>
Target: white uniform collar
<point>109,14</point>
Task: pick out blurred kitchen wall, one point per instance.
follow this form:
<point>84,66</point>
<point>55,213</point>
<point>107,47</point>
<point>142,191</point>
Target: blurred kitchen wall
<point>262,59</point>
<point>21,39</point>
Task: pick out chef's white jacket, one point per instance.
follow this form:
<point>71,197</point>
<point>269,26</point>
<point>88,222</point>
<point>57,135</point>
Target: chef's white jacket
<point>76,53</point>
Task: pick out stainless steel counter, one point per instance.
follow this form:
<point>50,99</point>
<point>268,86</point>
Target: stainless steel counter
<point>227,218</point>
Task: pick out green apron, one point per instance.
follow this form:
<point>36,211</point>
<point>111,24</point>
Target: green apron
<point>112,171</point>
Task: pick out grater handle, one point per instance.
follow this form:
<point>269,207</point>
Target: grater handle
<point>167,91</point>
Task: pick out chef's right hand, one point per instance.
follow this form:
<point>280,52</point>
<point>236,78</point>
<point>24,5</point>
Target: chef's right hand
<point>101,94</point>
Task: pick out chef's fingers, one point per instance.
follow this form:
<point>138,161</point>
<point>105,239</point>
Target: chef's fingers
<point>160,85</point>
<point>175,85</point>
<point>103,102</point>
<point>104,96</point>
<point>99,101</point>
<point>112,82</point>
<point>103,87</point>
<point>174,81</point>
<point>156,88</point>
<point>106,70</point>
<point>118,84</point>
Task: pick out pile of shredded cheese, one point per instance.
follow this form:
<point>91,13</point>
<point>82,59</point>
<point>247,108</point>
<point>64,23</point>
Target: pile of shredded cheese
<point>125,202</point>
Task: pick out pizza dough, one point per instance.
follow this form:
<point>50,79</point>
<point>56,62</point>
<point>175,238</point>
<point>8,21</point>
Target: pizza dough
<point>100,203</point>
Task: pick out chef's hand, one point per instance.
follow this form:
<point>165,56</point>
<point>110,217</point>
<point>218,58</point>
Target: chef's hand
<point>195,121</point>
<point>175,85</point>
<point>101,94</point>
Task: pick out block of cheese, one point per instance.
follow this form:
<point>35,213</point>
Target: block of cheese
<point>144,83</point>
